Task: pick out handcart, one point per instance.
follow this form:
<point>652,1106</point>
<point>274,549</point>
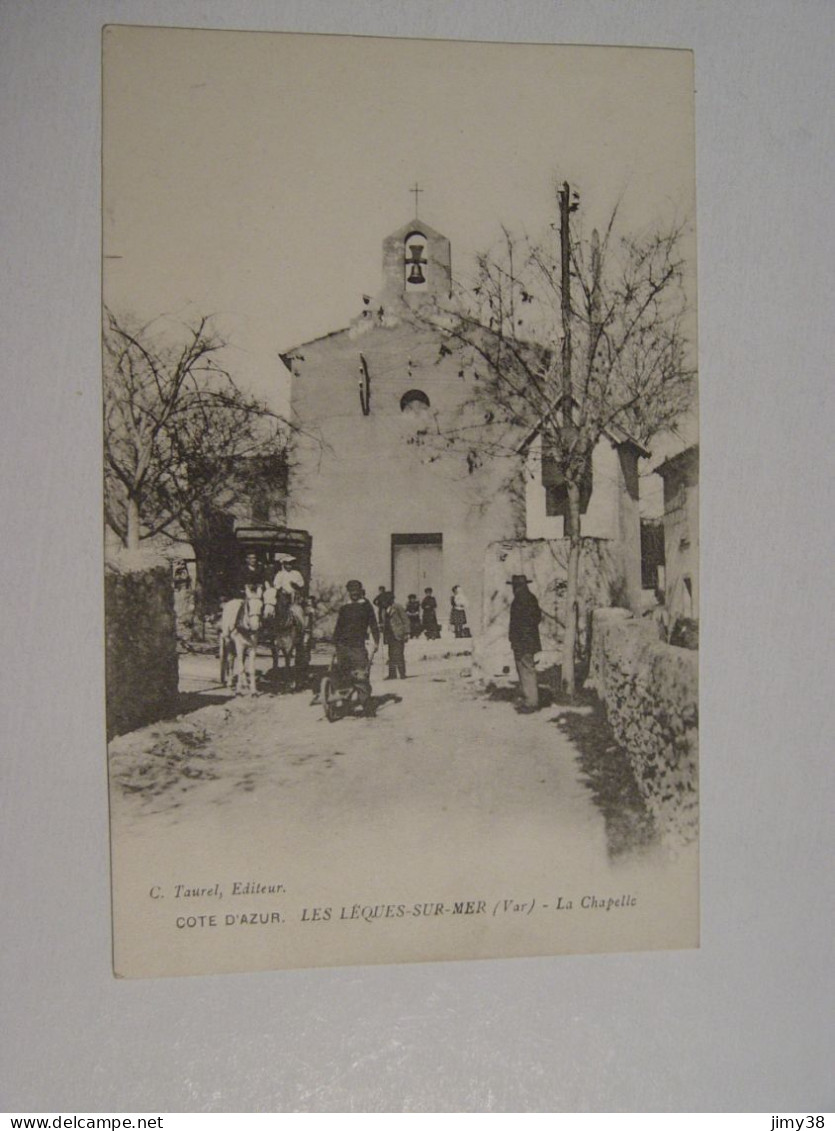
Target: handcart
<point>346,691</point>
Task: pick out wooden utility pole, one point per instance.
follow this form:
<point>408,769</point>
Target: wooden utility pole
<point>568,440</point>
<point>567,206</point>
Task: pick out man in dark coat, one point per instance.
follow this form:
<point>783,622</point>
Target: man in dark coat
<point>395,633</point>
<point>253,574</point>
<point>379,604</point>
<point>525,615</point>
<point>354,623</point>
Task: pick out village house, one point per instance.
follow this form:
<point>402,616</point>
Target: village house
<point>610,556</point>
<point>389,500</point>
<point>680,474</point>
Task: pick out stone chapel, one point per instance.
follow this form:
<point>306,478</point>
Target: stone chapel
<point>371,482</point>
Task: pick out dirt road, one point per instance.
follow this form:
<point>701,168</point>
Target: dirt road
<point>441,762</point>
<point>447,794</point>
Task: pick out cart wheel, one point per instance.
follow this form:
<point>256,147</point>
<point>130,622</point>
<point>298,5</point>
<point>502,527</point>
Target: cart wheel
<point>327,695</point>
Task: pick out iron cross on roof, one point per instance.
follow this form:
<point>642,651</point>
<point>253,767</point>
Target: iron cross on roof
<point>416,190</point>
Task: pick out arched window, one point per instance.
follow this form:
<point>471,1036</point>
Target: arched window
<point>414,400</point>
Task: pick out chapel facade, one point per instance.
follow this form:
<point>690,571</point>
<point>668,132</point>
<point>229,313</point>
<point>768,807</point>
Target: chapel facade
<point>389,502</point>
<point>373,403</point>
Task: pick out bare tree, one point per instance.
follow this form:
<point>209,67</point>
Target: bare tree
<point>181,439</point>
<point>567,339</point>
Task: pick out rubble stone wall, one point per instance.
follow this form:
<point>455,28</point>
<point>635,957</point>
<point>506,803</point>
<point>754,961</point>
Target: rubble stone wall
<point>141,646</point>
<point>650,692</point>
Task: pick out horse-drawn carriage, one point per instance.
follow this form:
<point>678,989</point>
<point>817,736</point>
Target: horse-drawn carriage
<point>273,578</point>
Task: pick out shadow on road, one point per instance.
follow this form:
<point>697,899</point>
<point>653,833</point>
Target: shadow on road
<point>356,710</point>
<point>547,680</point>
<point>284,682</point>
<point>605,767</point>
<point>188,701</point>
<point>384,700</point>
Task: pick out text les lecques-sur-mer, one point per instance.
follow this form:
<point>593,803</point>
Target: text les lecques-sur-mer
<point>372,911</point>
<point>376,911</point>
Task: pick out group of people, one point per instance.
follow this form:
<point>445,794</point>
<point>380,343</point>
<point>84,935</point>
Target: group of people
<point>357,623</point>
<point>360,621</point>
<point>281,585</point>
<point>287,578</point>
<point>384,619</point>
<point>423,615</point>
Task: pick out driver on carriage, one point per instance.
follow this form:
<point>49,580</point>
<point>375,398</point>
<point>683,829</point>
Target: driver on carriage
<point>287,578</point>
<point>253,576</point>
<point>353,624</point>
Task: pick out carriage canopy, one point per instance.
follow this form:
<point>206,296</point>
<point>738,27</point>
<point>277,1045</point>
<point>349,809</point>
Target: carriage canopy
<point>273,544</point>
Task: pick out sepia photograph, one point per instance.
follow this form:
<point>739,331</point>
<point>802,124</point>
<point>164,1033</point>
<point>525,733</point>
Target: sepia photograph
<point>401,476</point>
<point>415,476</point>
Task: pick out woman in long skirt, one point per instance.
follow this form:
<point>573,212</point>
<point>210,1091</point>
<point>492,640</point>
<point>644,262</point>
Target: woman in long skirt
<point>429,618</point>
<point>458,612</point>
<point>413,613</point>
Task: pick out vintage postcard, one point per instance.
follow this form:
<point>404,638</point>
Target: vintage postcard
<point>401,477</point>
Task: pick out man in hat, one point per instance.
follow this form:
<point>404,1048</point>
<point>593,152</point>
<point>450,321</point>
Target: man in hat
<point>395,625</point>
<point>354,622</point>
<point>290,582</point>
<point>287,578</point>
<point>379,603</point>
<point>525,615</point>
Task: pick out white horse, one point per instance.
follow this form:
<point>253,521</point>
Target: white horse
<point>240,620</point>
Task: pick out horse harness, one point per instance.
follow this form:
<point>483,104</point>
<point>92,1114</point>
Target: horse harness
<point>250,614</point>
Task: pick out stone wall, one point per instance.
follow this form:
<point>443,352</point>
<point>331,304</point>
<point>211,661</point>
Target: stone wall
<point>141,645</point>
<point>650,692</point>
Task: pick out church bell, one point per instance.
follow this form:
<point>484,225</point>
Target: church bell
<point>415,263</point>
